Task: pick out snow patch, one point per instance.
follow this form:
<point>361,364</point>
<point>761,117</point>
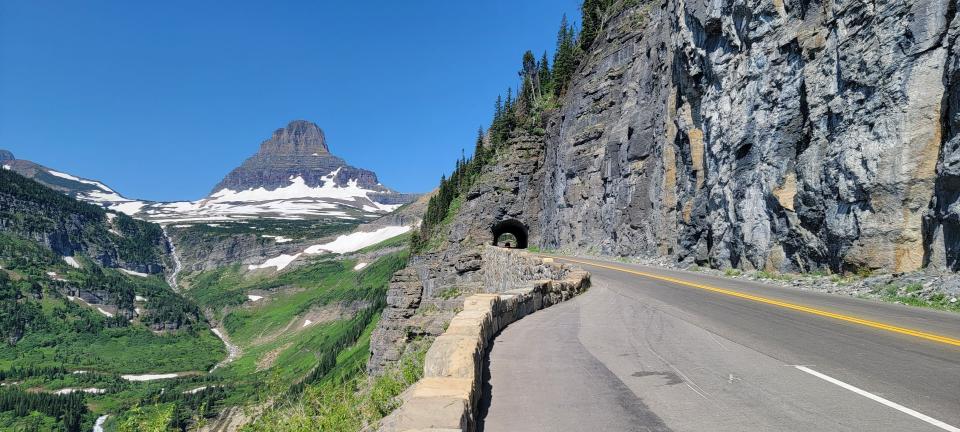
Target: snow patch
<point>281,262</point>
<point>149,377</point>
<point>360,266</point>
<point>129,208</point>
<point>297,189</point>
<point>105,313</point>
<point>278,239</point>
<point>91,390</point>
<point>7,167</point>
<point>72,261</point>
<point>307,323</point>
<point>102,197</point>
<point>358,240</point>
<point>199,389</point>
<point>99,185</point>
<point>133,273</point>
<point>254,297</point>
<point>140,298</point>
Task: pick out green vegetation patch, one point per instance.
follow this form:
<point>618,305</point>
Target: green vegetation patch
<point>44,327</point>
<point>282,353</point>
<point>348,399</point>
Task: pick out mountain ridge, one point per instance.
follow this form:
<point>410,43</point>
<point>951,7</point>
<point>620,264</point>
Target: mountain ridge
<point>292,175</point>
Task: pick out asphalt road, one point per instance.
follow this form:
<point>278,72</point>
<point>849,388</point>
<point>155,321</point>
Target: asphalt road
<point>636,353</point>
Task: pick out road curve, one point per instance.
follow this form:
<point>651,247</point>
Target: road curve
<point>649,349</point>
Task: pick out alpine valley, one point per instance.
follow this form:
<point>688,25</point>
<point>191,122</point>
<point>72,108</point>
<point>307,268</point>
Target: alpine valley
<point>121,313</point>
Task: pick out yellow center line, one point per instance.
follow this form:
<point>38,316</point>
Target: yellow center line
<point>783,304</point>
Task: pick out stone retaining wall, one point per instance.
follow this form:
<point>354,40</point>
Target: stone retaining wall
<point>447,397</point>
<point>508,269</point>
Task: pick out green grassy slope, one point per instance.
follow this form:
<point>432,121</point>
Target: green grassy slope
<point>53,339</point>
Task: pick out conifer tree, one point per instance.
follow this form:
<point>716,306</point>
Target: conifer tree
<point>530,89</point>
<point>592,11</point>
<point>479,153</point>
<point>564,60</point>
<point>544,73</point>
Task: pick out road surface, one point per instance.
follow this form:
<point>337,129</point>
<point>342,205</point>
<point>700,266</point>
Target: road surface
<point>648,349</point>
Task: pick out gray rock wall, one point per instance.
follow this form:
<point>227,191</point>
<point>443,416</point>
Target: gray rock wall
<point>762,134</point>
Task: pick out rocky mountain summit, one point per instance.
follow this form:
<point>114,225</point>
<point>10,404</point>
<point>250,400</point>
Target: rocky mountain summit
<point>297,150</point>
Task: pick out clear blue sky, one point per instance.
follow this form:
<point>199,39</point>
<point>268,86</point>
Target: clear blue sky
<point>161,99</point>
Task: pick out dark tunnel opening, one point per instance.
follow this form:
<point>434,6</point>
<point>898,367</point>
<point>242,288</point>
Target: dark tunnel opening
<point>510,233</point>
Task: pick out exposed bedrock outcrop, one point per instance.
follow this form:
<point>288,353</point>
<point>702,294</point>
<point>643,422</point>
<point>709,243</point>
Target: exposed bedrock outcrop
<point>785,135</point>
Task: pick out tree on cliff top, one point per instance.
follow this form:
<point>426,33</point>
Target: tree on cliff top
<point>565,58</point>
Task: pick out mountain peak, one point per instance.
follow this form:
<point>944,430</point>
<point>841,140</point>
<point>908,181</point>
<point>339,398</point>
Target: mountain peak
<point>6,155</point>
<point>299,137</point>
<point>298,150</point>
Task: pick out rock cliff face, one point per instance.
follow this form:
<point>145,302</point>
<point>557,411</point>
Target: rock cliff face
<point>764,135</point>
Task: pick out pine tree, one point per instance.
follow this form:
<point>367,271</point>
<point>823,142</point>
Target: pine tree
<point>479,153</point>
<point>564,60</point>
<point>592,11</point>
<point>525,98</point>
<point>530,89</point>
<point>544,73</point>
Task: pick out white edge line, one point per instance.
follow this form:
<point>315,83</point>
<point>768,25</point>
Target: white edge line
<point>876,398</point>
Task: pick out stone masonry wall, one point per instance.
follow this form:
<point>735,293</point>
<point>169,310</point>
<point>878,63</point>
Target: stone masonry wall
<point>507,269</point>
<point>446,398</point>
<point>424,297</point>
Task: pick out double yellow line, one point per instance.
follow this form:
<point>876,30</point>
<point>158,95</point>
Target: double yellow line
<point>783,304</point>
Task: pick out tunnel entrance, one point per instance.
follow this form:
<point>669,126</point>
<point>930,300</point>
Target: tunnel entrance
<point>510,233</point>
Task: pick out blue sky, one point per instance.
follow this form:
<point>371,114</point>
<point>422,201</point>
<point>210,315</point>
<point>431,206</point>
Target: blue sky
<point>161,99</point>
